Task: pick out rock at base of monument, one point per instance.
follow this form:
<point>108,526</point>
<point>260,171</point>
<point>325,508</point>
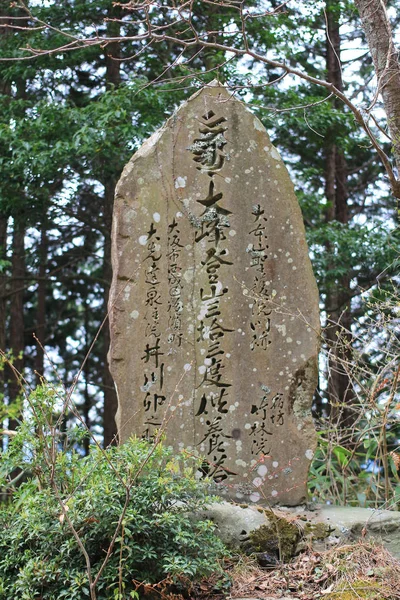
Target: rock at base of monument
<point>255,530</point>
<point>350,523</point>
<point>284,532</point>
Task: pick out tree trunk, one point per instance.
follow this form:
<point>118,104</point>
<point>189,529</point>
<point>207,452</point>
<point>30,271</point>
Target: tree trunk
<point>41,304</point>
<point>110,396</point>
<point>338,330</point>
<point>5,90</point>
<point>87,401</point>
<point>377,29</point>
<point>16,315</point>
<point>3,308</point>
<point>113,79</point>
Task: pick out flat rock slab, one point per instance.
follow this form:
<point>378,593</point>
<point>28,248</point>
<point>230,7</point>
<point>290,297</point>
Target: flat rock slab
<point>213,305</point>
<point>352,523</point>
<point>234,523</point>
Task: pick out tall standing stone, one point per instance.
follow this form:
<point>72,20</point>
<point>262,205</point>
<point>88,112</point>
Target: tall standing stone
<point>214,306</point>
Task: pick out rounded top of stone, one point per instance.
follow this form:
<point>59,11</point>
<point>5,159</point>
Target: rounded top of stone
<point>215,83</point>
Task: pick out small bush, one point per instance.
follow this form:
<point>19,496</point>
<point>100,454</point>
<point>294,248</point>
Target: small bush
<point>143,487</point>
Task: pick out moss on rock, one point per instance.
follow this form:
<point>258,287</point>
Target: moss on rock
<point>361,589</point>
<point>317,531</point>
<point>279,537</point>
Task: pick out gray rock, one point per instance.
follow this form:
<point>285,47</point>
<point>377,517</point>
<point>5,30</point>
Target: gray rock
<point>234,523</point>
<point>339,525</point>
<point>352,523</point>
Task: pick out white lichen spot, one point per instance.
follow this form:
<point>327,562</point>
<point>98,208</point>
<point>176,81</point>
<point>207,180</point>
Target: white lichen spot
<point>258,125</point>
<point>257,482</point>
<point>262,470</point>
<point>275,153</point>
<point>281,329</point>
<point>180,182</point>
<point>289,340</point>
<point>274,493</point>
<point>172,408</point>
<point>202,370</point>
<point>187,367</point>
<point>143,240</point>
<point>134,314</point>
<point>228,179</point>
<point>290,260</point>
<point>255,497</point>
<point>309,454</point>
<point>188,275</point>
<point>232,233</point>
<point>156,217</point>
<point>294,268</point>
<point>275,464</point>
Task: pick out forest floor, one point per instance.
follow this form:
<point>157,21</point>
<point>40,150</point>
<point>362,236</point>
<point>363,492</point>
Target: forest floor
<point>352,572</point>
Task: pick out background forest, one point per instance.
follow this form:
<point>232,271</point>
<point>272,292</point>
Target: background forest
<point>70,120</point>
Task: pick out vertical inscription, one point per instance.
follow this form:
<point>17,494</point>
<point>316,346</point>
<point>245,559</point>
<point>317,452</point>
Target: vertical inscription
<point>152,358</point>
<point>260,323</point>
<point>213,389</point>
<point>175,304</point>
<point>269,414</point>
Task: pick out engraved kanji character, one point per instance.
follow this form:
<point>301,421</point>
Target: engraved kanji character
<point>216,401</point>
<point>153,351</point>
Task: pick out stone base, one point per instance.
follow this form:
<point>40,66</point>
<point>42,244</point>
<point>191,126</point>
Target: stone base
<point>240,526</point>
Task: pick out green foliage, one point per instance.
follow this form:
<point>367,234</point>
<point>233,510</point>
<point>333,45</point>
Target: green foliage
<point>142,487</point>
<point>360,465</point>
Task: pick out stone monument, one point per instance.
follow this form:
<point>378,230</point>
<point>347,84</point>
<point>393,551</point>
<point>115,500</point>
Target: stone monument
<point>214,306</point>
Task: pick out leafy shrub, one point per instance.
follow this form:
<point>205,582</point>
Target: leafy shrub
<point>141,486</point>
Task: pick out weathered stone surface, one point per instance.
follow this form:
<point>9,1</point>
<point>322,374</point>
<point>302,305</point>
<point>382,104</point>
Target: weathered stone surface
<point>322,528</point>
<point>352,523</point>
<point>234,524</point>
<point>214,306</point>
